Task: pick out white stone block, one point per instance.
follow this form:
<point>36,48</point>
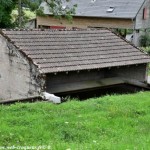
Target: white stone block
<point>51,97</point>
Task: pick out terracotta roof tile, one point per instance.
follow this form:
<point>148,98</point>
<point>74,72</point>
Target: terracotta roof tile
<point>59,51</point>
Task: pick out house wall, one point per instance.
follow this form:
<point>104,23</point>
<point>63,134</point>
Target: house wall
<point>18,76</point>
<point>66,82</point>
<point>136,38</point>
<point>140,22</point>
<point>31,24</point>
<point>84,22</point>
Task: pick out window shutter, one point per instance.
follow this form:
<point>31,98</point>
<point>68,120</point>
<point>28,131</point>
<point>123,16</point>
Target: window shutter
<point>145,13</point>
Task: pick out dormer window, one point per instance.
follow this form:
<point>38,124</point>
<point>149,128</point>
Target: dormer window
<point>110,9</point>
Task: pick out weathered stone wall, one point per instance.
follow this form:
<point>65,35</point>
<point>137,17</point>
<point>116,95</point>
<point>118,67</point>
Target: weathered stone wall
<point>135,72</point>
<point>64,80</point>
<point>61,81</point>
<point>18,76</point>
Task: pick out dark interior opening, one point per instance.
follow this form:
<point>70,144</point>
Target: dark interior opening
<point>111,90</point>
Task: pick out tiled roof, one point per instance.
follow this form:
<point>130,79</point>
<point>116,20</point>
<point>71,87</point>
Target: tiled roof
<point>98,8</point>
<point>63,51</point>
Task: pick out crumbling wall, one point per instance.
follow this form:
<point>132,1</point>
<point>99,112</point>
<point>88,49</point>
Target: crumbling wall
<point>19,77</point>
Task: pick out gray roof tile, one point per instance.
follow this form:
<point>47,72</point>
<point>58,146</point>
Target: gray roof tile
<point>122,8</point>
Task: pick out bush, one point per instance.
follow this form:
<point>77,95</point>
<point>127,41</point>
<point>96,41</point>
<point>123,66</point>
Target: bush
<point>145,40</point>
<point>146,49</point>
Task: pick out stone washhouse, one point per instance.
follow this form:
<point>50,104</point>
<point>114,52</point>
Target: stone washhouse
<point>41,62</point>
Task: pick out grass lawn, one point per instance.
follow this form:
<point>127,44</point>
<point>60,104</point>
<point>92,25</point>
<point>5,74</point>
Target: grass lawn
<point>118,122</point>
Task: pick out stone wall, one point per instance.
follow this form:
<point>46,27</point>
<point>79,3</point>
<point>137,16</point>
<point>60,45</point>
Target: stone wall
<point>75,79</point>
<point>132,72</point>
<point>58,83</point>
<point>18,76</point>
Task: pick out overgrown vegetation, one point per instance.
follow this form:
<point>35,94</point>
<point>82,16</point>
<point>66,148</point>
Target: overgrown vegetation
<point>6,7</point>
<point>9,19</point>
<point>27,15</point>
<point>123,32</point>
<point>146,49</point>
<point>118,122</point>
<point>145,40</point>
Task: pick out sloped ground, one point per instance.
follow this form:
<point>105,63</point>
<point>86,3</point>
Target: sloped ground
<point>117,122</point>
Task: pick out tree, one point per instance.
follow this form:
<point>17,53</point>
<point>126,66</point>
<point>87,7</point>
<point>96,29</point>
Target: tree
<point>6,8</point>
<point>30,4</point>
<point>59,8</point>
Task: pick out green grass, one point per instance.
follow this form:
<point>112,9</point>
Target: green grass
<point>118,122</point>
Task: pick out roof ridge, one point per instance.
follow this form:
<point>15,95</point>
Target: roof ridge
<point>39,29</point>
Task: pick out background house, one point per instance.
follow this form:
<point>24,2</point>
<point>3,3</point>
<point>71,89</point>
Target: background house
<point>37,61</point>
<point>122,14</point>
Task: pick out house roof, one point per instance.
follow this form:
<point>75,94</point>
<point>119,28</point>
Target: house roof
<point>126,9</point>
<point>63,51</point>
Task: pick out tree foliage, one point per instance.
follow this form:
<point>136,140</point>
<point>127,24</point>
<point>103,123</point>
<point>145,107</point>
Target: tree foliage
<point>60,8</point>
<point>23,7</point>
<point>145,40</point>
<point>6,7</point>
<point>56,8</point>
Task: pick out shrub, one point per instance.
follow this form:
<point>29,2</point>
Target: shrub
<point>146,49</point>
<point>145,40</point>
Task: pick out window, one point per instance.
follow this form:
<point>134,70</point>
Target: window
<point>145,13</point>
